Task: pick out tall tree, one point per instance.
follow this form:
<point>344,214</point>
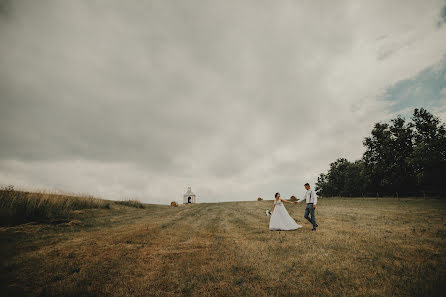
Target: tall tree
<point>343,179</point>
<point>401,171</point>
<point>429,157</point>
<point>378,158</point>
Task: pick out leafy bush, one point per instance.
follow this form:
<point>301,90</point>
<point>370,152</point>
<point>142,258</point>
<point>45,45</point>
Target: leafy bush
<point>131,203</point>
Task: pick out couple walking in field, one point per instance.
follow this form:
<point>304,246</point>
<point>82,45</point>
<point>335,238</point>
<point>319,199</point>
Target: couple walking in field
<point>281,220</point>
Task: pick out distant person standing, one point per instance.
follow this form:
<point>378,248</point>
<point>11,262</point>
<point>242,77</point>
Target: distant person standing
<point>311,199</point>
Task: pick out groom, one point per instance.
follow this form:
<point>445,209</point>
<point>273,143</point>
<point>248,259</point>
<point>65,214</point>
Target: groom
<point>311,199</point>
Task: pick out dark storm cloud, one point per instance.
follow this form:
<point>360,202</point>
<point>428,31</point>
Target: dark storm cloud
<point>90,98</point>
<point>233,98</point>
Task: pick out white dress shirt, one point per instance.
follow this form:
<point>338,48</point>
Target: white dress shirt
<point>310,196</point>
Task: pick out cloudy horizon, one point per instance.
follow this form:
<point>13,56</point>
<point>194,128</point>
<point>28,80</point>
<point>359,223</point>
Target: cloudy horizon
<point>237,100</point>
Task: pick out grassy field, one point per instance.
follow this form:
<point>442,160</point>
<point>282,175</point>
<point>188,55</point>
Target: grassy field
<point>363,247</point>
<point>18,207</point>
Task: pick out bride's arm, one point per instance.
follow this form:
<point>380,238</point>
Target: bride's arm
<point>285,201</point>
<point>274,206</point>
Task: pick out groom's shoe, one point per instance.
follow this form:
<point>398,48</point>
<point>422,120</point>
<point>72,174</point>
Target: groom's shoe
<point>314,229</point>
<point>317,225</point>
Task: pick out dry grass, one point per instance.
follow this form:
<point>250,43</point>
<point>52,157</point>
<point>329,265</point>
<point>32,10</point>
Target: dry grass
<point>18,207</point>
<point>363,247</point>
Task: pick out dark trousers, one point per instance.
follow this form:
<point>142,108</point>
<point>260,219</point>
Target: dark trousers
<point>309,210</point>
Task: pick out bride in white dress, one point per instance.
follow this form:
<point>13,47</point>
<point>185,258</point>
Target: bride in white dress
<point>280,219</point>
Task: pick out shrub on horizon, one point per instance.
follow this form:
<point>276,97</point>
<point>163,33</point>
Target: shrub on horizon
<point>131,203</point>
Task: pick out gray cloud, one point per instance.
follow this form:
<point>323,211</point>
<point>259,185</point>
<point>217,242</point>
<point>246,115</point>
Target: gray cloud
<point>236,99</point>
<point>443,14</point>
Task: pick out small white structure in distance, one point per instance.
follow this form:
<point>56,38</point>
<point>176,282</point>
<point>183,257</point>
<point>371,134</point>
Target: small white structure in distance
<point>189,197</point>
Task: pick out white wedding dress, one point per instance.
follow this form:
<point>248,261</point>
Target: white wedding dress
<point>281,220</point>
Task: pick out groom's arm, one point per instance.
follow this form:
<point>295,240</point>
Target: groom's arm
<point>300,200</point>
<point>315,200</point>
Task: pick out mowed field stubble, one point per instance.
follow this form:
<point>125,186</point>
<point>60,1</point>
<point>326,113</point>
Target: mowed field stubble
<point>363,247</point>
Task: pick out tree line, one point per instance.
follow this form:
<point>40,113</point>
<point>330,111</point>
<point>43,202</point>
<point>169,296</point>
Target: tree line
<point>401,158</point>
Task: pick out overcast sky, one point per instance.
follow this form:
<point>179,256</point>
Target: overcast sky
<point>237,99</point>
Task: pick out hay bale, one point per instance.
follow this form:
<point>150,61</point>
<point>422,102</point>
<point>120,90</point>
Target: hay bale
<point>173,203</point>
<point>293,198</point>
<point>259,199</point>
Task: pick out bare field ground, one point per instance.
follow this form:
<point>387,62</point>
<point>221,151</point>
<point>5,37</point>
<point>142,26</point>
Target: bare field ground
<point>363,247</point>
